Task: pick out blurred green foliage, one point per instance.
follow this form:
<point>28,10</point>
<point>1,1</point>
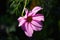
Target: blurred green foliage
<point>14,10</point>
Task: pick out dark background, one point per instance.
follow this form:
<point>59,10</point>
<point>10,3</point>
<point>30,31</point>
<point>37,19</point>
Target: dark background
<point>9,29</point>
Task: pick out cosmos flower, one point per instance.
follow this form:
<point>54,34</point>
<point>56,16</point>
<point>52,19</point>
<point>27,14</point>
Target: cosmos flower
<point>31,21</point>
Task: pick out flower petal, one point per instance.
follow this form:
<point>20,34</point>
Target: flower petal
<point>30,13</point>
<point>36,23</point>
<point>33,27</point>
<point>19,19</point>
<point>36,9</point>
<point>26,11</point>
<point>36,28</point>
<point>39,14</point>
<point>21,22</point>
<point>38,18</point>
<point>26,26</point>
<point>23,27</point>
<point>29,31</point>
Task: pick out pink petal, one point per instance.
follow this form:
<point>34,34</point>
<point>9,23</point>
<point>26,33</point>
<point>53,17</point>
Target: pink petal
<point>26,26</point>
<point>38,14</point>
<point>19,19</point>
<point>36,28</point>
<point>38,18</point>
<point>23,27</point>
<point>29,31</point>
<point>30,13</point>
<point>36,24</point>
<point>26,11</point>
<point>36,9</point>
<point>33,27</point>
<point>21,22</point>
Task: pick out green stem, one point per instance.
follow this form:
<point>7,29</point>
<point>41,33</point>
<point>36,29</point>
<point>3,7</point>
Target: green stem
<point>24,7</point>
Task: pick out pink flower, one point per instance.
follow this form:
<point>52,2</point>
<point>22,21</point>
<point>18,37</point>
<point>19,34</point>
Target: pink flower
<point>31,21</point>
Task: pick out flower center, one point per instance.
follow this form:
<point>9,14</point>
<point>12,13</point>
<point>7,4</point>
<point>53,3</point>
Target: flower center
<point>29,19</point>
